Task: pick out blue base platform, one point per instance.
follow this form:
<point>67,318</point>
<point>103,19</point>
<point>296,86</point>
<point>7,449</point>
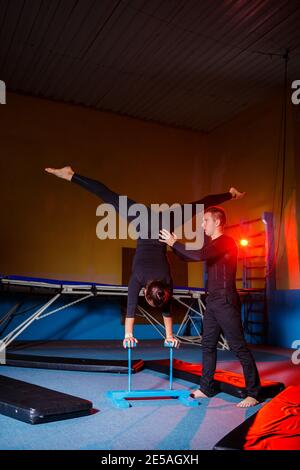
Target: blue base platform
<point>121,398</point>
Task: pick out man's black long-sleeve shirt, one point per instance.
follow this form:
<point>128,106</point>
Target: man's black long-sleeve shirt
<point>220,255</point>
<point>150,260</point>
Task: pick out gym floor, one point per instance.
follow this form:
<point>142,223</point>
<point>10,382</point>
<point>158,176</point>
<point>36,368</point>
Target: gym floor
<point>150,424</point>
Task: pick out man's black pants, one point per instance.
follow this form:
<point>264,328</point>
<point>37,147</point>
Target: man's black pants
<point>223,313</point>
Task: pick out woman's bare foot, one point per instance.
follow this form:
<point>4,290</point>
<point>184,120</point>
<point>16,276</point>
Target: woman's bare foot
<point>65,173</point>
<point>247,402</point>
<point>236,194</point>
<point>198,394</point>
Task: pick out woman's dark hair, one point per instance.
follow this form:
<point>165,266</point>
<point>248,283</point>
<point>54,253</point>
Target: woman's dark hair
<point>158,293</point>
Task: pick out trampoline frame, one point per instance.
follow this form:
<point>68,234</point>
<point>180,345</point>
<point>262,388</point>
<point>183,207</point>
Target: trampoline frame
<point>87,290</point>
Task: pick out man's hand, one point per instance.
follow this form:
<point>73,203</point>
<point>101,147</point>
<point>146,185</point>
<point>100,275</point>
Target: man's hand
<point>65,173</point>
<point>236,194</point>
<point>172,342</point>
<point>166,237</point>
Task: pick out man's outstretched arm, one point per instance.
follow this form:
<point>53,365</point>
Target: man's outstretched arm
<point>212,250</point>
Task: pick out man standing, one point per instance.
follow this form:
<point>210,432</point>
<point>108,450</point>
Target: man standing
<point>223,304</point>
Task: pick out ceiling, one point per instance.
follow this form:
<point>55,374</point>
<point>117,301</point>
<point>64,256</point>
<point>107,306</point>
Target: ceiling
<point>194,64</point>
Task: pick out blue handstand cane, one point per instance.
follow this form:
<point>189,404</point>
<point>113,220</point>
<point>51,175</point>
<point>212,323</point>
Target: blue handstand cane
<point>120,398</point>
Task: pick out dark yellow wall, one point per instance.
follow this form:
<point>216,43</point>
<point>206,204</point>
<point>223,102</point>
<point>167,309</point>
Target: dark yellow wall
<point>245,153</point>
<point>48,225</point>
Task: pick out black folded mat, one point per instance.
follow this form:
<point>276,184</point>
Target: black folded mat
<point>34,404</point>
<point>70,363</point>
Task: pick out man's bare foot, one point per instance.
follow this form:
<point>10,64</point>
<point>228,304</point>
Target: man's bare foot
<point>198,394</point>
<point>236,194</point>
<point>247,402</point>
<point>65,173</point>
